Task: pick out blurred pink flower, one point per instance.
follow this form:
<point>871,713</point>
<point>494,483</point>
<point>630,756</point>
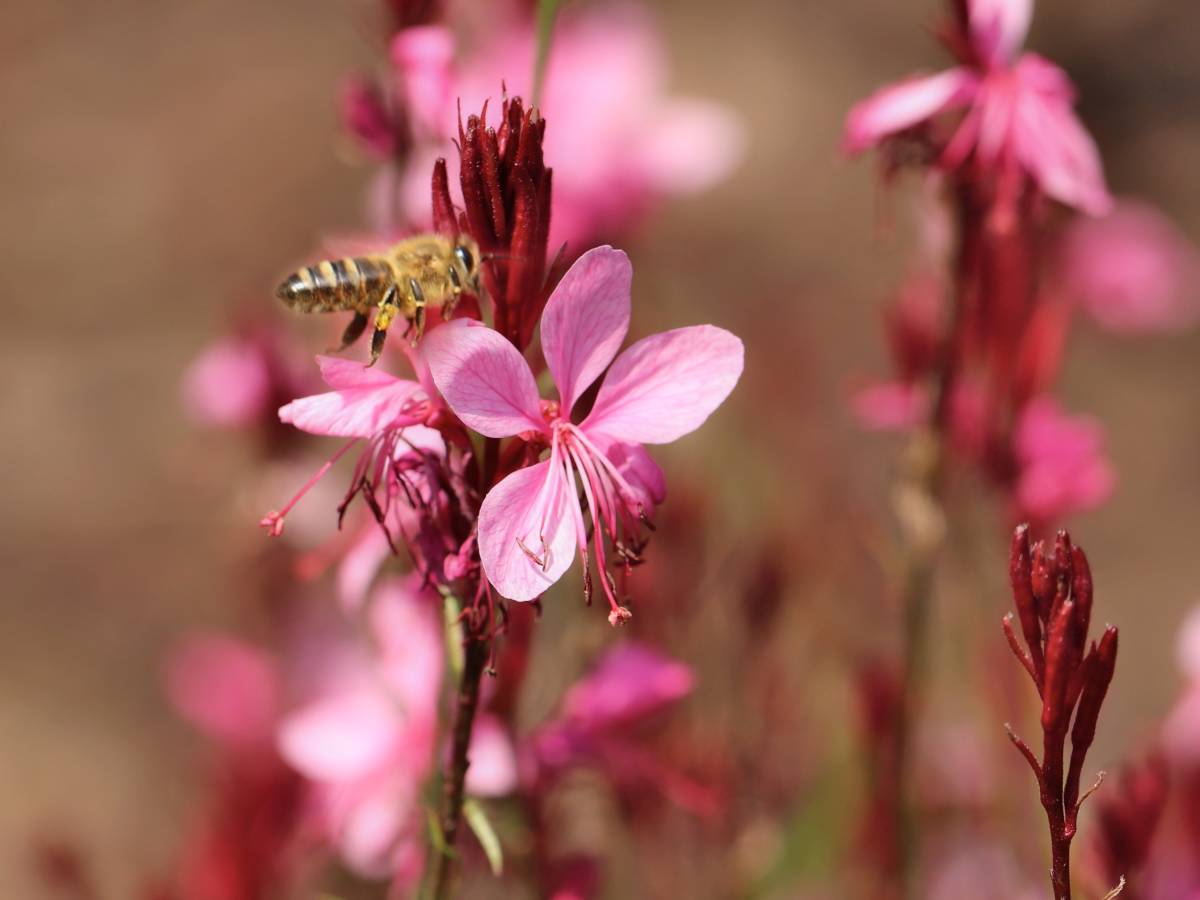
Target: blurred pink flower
<point>981,871</point>
<point>367,117</point>
<point>423,61</point>
<point>890,405</point>
<point>618,142</point>
<point>630,683</point>
<point>1133,271</point>
<point>599,722</point>
<point>1017,111</point>
<point>230,383</point>
<point>245,844</point>
<point>1189,646</point>
<point>1062,466</point>
<point>226,688</point>
<point>365,733</point>
<point>658,390</point>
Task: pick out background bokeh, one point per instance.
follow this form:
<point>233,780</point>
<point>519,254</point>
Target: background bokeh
<point>162,163</point>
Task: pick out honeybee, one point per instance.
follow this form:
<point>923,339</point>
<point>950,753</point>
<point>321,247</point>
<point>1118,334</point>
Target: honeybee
<point>428,270</point>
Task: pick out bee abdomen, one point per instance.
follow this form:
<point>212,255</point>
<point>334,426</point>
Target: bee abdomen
<point>350,283</point>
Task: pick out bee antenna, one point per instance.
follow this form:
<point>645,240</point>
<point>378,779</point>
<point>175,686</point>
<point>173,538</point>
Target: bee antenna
<point>490,256</point>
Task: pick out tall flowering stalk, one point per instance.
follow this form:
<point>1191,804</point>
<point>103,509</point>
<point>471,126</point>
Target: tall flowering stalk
<point>1053,594</point>
<point>452,461</point>
<point>998,132</point>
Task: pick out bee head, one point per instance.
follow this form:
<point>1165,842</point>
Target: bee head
<point>466,261</point>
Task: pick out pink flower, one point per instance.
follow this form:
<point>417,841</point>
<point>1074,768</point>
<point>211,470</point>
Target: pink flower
<point>631,682</point>
<point>366,733</point>
<point>617,140</point>
<point>1017,111</point>
<point>1133,271</point>
<point>659,389</point>
<point>1189,646</point>
<point>890,405</point>
<point>366,116</point>
<point>231,383</point>
<point>1063,468</point>
<point>226,688</point>
<point>599,722</point>
<point>366,404</point>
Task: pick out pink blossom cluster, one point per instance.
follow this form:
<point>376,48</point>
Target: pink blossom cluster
<point>339,734</point>
<point>621,143</point>
<point>977,334</point>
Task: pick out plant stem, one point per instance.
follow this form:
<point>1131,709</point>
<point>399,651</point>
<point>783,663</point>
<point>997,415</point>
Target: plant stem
<point>450,818</point>
<point>920,512</point>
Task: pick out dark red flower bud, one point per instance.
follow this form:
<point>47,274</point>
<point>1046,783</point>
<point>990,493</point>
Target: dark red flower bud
<point>1042,579</point>
<point>1061,659</point>
<point>506,195</point>
<point>1097,677</point>
<point>1081,589</point>
<point>1019,576</point>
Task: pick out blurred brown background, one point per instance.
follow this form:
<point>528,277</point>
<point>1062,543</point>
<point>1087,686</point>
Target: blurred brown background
<point>163,162</point>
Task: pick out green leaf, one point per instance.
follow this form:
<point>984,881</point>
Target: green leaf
<point>451,610</point>
<point>436,837</point>
<point>479,823</point>
<point>547,9</point>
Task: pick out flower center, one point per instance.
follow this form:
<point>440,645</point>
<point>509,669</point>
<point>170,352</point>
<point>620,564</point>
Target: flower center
<point>612,504</point>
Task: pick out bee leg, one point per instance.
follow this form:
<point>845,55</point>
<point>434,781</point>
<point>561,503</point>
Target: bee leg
<point>418,324</point>
<point>384,315</point>
<point>418,298</point>
<point>354,330</point>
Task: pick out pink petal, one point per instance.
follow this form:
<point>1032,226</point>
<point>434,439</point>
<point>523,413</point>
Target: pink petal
<point>890,406</point>
<point>1063,466</point>
<point>423,57</point>
<point>359,567</point>
<point>363,401</point>
<point>694,145</point>
<point>229,384</point>
<point>1181,731</point>
<point>666,385</point>
<point>530,506</point>
<point>493,770</point>
<point>998,28</point>
<point>405,626</point>
<point>1052,143</point>
<point>483,378</point>
<point>377,830</point>
<point>639,470</point>
<point>631,681</point>
<point>900,106</point>
<point>342,737</point>
<point>224,687</point>
<point>1189,646</point>
<point>365,116</point>
<point>586,320</point>
<point>1133,271</point>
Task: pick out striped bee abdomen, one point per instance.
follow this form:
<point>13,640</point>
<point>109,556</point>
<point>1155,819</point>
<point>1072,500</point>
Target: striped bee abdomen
<point>351,283</point>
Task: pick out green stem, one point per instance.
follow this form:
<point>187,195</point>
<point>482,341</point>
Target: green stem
<point>547,10</point>
<point>441,862</point>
